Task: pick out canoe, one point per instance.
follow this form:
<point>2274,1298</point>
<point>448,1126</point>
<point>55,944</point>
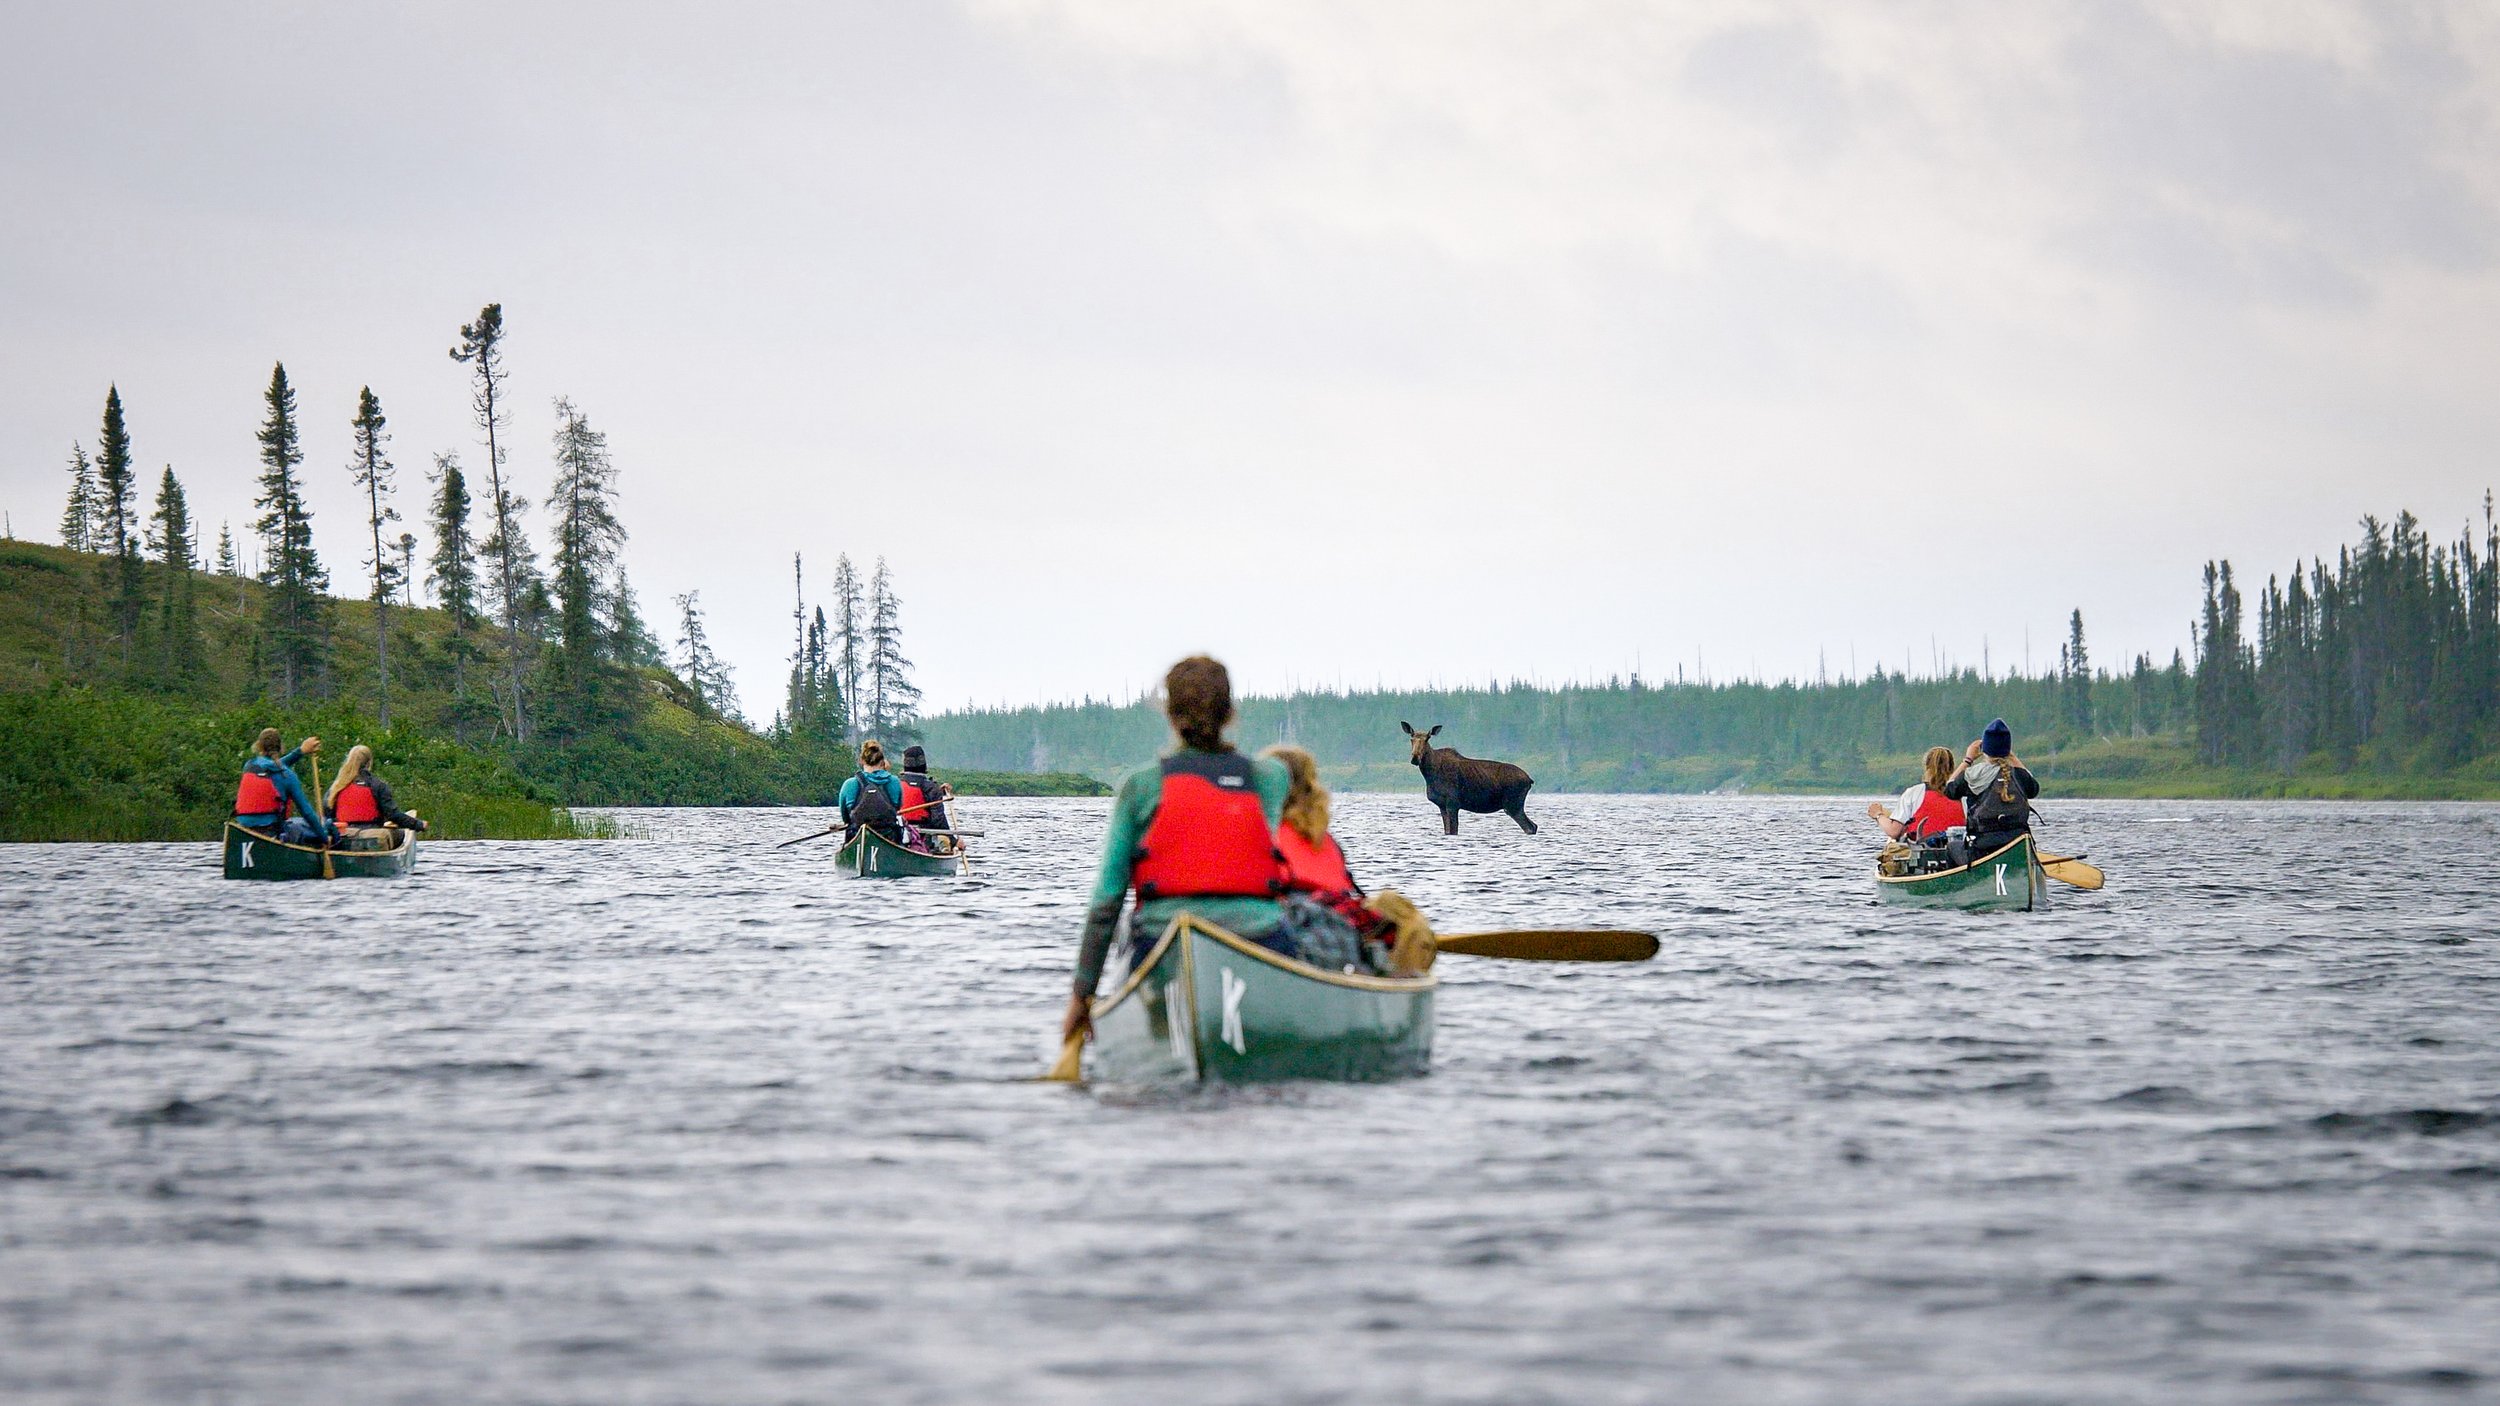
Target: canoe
<point>870,855</point>
<point>1207,1006</point>
<point>2007,881</point>
<point>252,855</point>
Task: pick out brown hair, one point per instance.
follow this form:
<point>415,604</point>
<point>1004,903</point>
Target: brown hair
<point>1306,803</point>
<point>1939,767</point>
<point>871,754</point>
<point>1198,698</point>
<point>271,742</point>
<point>359,760</point>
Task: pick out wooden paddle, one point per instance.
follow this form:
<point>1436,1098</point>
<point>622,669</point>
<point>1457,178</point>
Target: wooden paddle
<point>1070,1067</point>
<point>2070,870</point>
<point>326,871</point>
<point>1552,945</point>
<point>803,839</point>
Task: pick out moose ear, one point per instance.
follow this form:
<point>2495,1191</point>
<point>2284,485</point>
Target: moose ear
<point>1436,732</point>
<point>1406,727</point>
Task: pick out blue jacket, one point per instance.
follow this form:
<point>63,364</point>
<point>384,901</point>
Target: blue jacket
<point>281,773</point>
<point>885,779</point>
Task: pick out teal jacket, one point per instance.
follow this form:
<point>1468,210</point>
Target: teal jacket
<point>1141,792</point>
<point>885,781</point>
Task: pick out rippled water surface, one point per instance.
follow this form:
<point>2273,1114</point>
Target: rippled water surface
<point>688,1120</point>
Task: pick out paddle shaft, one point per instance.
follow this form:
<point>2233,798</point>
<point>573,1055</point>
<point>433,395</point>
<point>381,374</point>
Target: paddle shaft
<point>1552,945</point>
<point>320,816</point>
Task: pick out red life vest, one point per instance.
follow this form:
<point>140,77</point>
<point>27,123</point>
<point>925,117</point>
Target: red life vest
<point>1936,814</point>
<point>916,805</point>
<point>1209,835</point>
<point>1314,869</point>
<point>258,795</point>
<point>355,805</point>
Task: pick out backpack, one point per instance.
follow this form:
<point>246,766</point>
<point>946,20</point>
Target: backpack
<point>1997,803</point>
<point>873,808</point>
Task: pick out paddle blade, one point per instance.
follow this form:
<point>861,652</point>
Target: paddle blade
<point>2071,871</point>
<point>1071,1066</point>
<point>1552,945</point>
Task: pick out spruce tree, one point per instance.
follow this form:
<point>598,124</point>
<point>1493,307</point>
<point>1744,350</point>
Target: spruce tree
<point>373,471</point>
<point>588,538</point>
<point>78,517</point>
<point>453,580</point>
<point>408,569</point>
<point>2076,688</point>
<point>629,634</point>
<point>894,703</point>
<point>295,621</point>
<point>507,548</point>
<point>850,637</point>
<point>171,538</point>
<point>704,671</point>
<point>794,696</point>
<point>117,491</point>
<point>228,564</point>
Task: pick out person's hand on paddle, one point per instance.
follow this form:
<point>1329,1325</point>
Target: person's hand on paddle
<point>1078,1023</point>
<point>310,747</point>
<point>1875,810</point>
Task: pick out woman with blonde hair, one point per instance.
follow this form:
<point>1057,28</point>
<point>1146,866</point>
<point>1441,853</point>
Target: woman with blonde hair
<point>1314,861</point>
<point>1923,812</point>
<point>360,802</point>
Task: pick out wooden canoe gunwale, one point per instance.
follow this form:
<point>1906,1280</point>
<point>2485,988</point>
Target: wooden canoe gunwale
<point>1159,1024</point>
<point>395,862</point>
<point>1933,874</point>
<point>1960,886</point>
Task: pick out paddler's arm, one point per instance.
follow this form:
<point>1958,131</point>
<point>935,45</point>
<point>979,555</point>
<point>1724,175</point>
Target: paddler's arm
<point>1140,792</point>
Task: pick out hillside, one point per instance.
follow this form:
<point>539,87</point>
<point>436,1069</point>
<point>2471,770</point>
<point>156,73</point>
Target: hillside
<point>108,747</point>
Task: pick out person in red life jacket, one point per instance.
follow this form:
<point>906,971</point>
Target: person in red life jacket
<point>925,798</point>
<point>271,800</point>
<point>1923,812</point>
<point>1195,832</point>
<point>1314,861</point>
<point>361,803</point>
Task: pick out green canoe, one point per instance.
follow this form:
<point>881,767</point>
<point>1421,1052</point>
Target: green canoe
<point>2007,881</point>
<point>870,855</point>
<point>1206,1005</point>
<point>253,855</point>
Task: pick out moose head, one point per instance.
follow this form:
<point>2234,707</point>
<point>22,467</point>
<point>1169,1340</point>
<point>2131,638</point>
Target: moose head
<point>1418,743</point>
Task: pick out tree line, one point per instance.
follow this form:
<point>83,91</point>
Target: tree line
<point>2391,652</point>
<point>2386,661</point>
<point>540,653</point>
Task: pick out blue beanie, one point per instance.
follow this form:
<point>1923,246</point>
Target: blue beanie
<point>1998,740</point>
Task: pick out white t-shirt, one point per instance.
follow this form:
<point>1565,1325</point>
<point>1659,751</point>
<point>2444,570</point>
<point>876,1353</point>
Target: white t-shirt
<point>1907,806</point>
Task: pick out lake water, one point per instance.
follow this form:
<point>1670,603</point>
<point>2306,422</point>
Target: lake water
<point>687,1119</point>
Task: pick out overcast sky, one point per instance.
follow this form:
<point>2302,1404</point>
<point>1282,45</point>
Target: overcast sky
<point>1351,342</point>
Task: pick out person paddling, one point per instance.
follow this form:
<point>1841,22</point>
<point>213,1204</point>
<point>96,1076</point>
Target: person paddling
<point>1997,788</point>
<point>1196,832</point>
<point>361,803</point>
<point>873,798</point>
<point>925,798</point>
<point>1923,812</point>
<point>271,800</point>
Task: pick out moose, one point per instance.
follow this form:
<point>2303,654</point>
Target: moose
<point>1454,783</point>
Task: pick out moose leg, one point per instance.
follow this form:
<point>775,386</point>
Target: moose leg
<point>1449,820</point>
<point>1518,810</point>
